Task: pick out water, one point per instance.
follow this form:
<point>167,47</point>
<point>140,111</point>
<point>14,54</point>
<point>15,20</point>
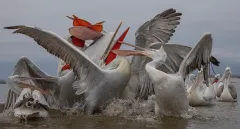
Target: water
<point>120,115</point>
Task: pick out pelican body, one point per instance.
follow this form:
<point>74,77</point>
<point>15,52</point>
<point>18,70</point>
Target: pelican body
<point>226,92</point>
<point>31,105</point>
<point>199,94</point>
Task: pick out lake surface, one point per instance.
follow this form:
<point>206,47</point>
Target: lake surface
<point>220,116</point>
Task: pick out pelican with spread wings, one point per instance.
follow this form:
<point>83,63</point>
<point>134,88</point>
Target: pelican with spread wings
<point>98,83</point>
<point>151,35</point>
<point>170,89</point>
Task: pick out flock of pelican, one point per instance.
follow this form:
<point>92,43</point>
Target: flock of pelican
<point>93,70</point>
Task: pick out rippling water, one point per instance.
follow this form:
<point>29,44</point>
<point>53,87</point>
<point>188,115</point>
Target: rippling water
<point>130,115</point>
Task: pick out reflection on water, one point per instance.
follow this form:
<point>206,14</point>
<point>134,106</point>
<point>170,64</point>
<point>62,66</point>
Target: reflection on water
<point>122,114</point>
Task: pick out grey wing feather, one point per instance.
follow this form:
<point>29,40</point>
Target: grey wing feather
<point>232,91</point>
<point>158,29</point>
<point>11,99</point>
<point>56,45</point>
<point>198,56</point>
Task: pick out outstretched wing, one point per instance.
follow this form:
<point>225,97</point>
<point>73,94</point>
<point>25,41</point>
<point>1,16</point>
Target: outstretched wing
<point>158,29</point>
<point>56,45</point>
<point>198,56</point>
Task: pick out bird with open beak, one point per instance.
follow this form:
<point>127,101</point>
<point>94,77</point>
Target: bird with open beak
<point>31,103</point>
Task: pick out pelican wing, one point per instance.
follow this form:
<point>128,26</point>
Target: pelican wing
<point>220,89</point>
<point>11,99</point>
<point>232,91</point>
<point>158,29</point>
<point>91,74</point>
<point>198,56</point>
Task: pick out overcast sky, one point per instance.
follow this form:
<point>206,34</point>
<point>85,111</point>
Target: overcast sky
<point>220,17</point>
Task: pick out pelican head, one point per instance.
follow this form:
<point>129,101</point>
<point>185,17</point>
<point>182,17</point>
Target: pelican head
<point>30,105</point>
<point>227,69</point>
<point>217,76</point>
<point>227,74</point>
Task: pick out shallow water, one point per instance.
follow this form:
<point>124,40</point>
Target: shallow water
<point>120,115</point>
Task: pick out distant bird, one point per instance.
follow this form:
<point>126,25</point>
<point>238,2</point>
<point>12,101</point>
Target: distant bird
<point>30,105</point>
<point>99,84</point>
<point>157,30</point>
<point>226,91</point>
<point>170,89</point>
<point>199,94</point>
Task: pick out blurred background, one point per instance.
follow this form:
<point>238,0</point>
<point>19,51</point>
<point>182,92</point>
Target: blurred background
<point>220,17</point>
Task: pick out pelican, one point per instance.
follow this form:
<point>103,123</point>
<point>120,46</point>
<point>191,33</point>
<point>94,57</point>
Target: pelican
<point>62,94</point>
<point>216,82</point>
<point>159,29</point>
<point>226,91</point>
<point>98,84</point>
<point>30,104</point>
<point>170,89</point>
<point>198,94</point>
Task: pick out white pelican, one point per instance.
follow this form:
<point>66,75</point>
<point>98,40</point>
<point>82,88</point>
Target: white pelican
<point>198,94</point>
<point>31,105</point>
<point>216,82</point>
<point>98,84</point>
<point>226,91</point>
<point>170,89</point>
<point>158,29</point>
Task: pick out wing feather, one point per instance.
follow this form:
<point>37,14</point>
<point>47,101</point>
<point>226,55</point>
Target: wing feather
<point>232,91</point>
<point>56,45</point>
<point>162,26</point>
<point>199,56</point>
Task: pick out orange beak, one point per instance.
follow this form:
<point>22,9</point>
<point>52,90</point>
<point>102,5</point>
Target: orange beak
<point>81,22</point>
<point>111,56</point>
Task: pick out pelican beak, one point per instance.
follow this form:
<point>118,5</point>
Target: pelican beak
<point>70,17</point>
<point>101,22</point>
<point>107,51</point>
<point>140,52</point>
<point>34,78</point>
<point>25,85</point>
<point>131,53</point>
